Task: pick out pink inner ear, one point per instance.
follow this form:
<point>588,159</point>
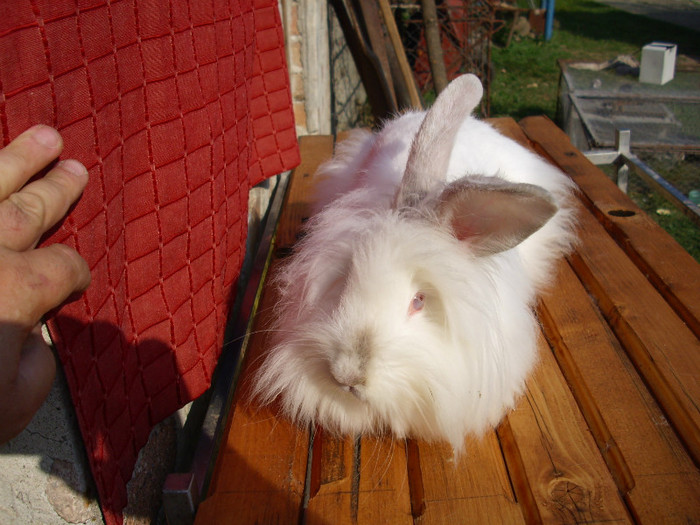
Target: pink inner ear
<point>495,216</point>
<point>475,214</point>
<point>464,230</point>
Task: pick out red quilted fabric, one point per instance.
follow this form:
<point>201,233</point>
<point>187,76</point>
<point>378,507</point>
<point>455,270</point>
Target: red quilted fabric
<point>176,107</point>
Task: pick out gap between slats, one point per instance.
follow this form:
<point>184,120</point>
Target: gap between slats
<point>659,260</point>
<point>544,137</point>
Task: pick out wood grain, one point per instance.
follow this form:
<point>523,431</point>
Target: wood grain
<point>607,430</point>
<point>331,495</point>
<point>650,325</point>
<point>645,456</point>
<point>659,343</point>
<point>566,475</point>
<point>261,467</point>
<point>315,149</point>
<point>473,488</point>
<point>360,481</point>
<point>666,264</point>
<point>383,484</point>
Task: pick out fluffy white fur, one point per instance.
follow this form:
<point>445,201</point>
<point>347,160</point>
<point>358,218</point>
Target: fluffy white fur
<point>347,351</point>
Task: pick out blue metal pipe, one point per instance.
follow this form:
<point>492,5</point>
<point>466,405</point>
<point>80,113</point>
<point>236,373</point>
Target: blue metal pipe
<point>549,20</point>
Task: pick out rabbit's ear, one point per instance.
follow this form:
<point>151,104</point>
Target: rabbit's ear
<point>430,151</point>
<point>494,215</point>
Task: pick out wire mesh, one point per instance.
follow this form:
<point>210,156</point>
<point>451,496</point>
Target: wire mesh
<point>348,97</point>
<point>466,30</point>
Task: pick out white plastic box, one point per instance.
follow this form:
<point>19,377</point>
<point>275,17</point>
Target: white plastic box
<point>658,63</point>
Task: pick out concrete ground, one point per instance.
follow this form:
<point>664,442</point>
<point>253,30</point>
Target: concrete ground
<point>684,13</point>
<point>44,476</point>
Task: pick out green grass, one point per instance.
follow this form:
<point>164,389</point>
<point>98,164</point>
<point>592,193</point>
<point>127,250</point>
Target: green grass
<point>526,75</point>
<point>526,81</point>
<point>683,171</point>
<point>680,172</point>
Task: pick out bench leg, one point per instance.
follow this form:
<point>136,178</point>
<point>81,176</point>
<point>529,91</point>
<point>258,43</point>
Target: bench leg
<point>180,498</point>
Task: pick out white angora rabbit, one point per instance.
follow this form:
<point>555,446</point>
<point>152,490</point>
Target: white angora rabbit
<point>407,306</point>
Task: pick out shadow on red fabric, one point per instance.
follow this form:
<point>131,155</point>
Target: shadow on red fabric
<point>176,107</point>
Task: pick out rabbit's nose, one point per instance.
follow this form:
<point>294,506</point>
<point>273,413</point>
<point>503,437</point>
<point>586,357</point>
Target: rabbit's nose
<point>349,381</point>
<point>356,391</point>
<point>348,376</point>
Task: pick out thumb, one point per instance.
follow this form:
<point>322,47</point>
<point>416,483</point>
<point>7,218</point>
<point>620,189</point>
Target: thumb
<point>38,280</point>
<point>32,384</point>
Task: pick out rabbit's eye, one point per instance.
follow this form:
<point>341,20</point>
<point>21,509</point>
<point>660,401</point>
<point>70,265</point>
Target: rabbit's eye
<point>417,303</point>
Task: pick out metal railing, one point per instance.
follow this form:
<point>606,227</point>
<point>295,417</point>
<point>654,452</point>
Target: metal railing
<point>624,160</point>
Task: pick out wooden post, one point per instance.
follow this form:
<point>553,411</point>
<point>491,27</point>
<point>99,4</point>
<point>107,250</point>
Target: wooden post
<point>433,40</point>
<point>405,68</point>
<point>313,16</point>
<point>380,95</point>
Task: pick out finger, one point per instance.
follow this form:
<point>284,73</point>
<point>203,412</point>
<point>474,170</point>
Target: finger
<point>34,282</point>
<point>29,153</point>
<point>23,394</point>
<point>26,214</point>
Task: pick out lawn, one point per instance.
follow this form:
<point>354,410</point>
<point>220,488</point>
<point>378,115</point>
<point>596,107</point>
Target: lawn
<point>526,79</point>
<point>526,75</point>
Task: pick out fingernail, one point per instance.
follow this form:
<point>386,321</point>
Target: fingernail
<point>74,167</point>
<point>46,136</point>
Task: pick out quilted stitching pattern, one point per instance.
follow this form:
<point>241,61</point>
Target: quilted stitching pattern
<point>176,107</point>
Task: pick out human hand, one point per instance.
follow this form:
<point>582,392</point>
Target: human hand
<point>32,280</point>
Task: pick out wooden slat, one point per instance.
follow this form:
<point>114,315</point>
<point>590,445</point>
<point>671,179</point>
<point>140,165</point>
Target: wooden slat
<point>383,485</point>
<point>264,476</point>
<point>261,467</point>
<point>647,459</point>
<point>358,481</point>
<point>379,92</point>
<point>371,17</point>
<point>315,149</point>
<point>551,453</point>
<point>661,346</point>
<point>332,499</point>
<point>672,270</point>
<point>471,489</point>
<point>557,461</point>
<point>586,435</point>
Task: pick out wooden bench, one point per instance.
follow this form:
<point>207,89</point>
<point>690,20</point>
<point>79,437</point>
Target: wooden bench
<point>608,430</point>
